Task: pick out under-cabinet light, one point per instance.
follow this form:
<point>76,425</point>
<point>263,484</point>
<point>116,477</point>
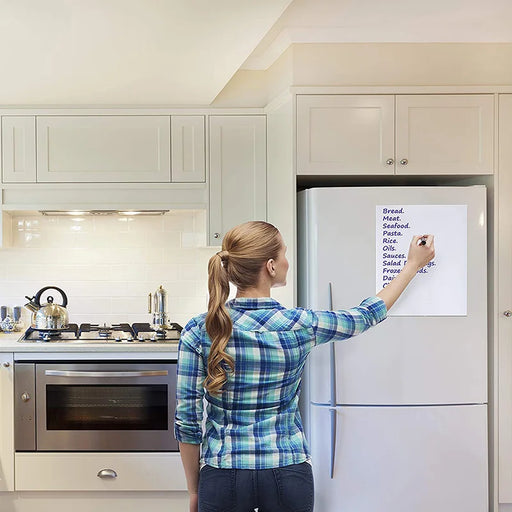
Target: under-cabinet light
<point>81,213</point>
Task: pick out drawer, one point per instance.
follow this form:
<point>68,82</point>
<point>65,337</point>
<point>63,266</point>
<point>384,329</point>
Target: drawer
<point>79,472</point>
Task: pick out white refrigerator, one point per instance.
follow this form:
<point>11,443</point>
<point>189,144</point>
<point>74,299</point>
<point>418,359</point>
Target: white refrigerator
<point>397,417</point>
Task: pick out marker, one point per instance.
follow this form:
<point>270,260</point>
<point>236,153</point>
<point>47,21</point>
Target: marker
<point>423,240</point>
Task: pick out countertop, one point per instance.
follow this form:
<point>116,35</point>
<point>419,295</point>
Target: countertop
<point>9,343</point>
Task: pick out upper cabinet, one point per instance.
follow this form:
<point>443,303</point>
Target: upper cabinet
<point>188,149</point>
<point>238,185</point>
<point>395,134</point>
<point>103,149</point>
<point>344,134</point>
<point>19,149</point>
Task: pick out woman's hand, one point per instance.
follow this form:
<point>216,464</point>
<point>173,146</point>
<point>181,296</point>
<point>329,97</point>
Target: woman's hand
<point>421,253</point>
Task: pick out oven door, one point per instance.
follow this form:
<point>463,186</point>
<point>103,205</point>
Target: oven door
<point>105,406</point>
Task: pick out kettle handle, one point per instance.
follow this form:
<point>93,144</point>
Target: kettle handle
<point>37,297</point>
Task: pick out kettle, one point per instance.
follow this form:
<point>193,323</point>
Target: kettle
<point>159,309</point>
<point>49,316</point>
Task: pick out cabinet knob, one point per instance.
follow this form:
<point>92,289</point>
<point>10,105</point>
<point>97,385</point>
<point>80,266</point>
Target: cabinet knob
<point>404,161</point>
<point>6,364</point>
<point>25,397</point>
<point>216,235</point>
<point>107,473</point>
<point>507,313</point>
<point>390,161</point>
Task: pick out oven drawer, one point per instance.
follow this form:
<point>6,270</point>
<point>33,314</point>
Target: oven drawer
<point>79,472</point>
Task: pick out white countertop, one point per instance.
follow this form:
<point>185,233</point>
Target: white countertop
<point>9,343</point>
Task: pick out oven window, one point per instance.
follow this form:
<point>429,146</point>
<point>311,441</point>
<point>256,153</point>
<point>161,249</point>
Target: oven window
<point>99,407</point>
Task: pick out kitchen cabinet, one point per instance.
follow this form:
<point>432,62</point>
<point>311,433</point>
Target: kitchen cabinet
<point>103,471</point>
<point>238,185</point>
<point>504,310</point>
<point>103,149</point>
<point>188,149</point>
<point>426,134</point>
<point>6,422</point>
<point>18,149</point>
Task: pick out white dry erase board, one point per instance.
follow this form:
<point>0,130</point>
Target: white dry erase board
<point>441,287</point>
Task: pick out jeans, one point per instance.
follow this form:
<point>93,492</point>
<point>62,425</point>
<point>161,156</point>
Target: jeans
<point>285,489</point>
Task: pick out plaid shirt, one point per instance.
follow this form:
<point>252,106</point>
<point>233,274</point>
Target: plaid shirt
<point>255,422</point>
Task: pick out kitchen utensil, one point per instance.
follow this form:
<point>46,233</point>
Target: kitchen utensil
<point>49,316</point>
<point>159,310</point>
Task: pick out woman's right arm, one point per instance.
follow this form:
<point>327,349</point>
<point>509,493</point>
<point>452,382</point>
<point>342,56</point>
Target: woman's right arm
<point>418,257</point>
<point>344,324</point>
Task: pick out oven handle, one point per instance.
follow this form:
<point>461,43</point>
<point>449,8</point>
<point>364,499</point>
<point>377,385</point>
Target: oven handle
<point>73,373</point>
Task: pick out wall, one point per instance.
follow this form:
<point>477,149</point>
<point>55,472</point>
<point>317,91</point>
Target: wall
<point>108,265</point>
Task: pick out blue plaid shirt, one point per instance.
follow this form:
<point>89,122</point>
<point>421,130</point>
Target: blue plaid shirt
<point>255,422</point>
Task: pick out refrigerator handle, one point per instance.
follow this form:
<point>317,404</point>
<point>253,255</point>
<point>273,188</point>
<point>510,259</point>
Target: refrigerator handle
<point>332,360</point>
<point>332,411</point>
<point>332,400</point>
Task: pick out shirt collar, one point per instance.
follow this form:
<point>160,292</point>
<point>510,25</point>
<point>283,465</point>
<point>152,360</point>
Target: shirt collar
<point>254,303</point>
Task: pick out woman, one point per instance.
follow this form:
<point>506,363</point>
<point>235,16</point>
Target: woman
<point>246,358</point>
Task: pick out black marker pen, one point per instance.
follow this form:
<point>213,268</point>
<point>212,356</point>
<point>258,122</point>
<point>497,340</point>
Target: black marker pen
<point>423,240</point>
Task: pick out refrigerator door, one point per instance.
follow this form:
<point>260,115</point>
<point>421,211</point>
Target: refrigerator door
<point>401,459</point>
<point>405,359</point>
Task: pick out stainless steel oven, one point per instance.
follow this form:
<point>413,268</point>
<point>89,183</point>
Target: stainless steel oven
<point>95,406</point>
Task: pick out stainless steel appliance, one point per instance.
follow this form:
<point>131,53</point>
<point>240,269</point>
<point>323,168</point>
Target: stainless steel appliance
<point>121,334</point>
<point>95,406</point>
<point>159,309</point>
<point>48,317</point>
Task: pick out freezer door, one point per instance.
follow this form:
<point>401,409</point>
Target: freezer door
<point>401,459</point>
<point>406,359</point>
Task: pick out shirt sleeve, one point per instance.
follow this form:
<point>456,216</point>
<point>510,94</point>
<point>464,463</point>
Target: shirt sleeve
<point>343,324</point>
<point>189,388</point>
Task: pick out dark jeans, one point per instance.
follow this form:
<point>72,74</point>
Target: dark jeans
<point>286,489</point>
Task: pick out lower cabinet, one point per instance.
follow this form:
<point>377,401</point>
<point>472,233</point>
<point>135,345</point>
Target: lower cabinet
<point>238,183</point>
<point>6,422</point>
<point>99,472</point>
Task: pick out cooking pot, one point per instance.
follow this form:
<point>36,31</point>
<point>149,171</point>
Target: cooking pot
<point>49,316</point>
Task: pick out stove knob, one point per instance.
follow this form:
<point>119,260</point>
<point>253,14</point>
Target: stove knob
<point>140,337</point>
<point>118,338</point>
<point>129,338</point>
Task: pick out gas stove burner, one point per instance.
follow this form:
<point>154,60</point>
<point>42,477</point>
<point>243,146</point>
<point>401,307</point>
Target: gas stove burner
<point>120,334</point>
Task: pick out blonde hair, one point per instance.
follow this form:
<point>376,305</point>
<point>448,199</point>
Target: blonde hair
<point>245,249</point>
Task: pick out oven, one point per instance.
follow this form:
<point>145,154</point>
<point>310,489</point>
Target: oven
<point>95,406</point>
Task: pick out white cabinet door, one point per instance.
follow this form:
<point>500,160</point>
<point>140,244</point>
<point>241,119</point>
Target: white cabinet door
<point>188,149</point>
<point>343,134</point>
<point>18,149</point>
<point>401,459</point>
<point>103,149</point>
<point>504,323</point>
<point>237,173</point>
<point>6,422</point>
<point>444,134</point>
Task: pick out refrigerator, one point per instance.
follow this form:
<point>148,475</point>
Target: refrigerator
<point>396,417</point>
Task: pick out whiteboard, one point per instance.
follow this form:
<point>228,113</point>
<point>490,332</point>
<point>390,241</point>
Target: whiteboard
<point>440,288</point>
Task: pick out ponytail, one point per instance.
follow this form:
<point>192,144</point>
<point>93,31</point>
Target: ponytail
<point>218,324</point>
<point>246,249</point>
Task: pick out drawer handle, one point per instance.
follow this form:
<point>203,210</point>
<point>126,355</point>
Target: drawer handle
<point>107,473</point>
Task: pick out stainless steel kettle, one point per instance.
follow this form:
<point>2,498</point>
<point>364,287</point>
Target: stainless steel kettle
<point>49,316</point>
<point>160,319</point>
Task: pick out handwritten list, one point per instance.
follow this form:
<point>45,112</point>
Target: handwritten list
<point>440,288</point>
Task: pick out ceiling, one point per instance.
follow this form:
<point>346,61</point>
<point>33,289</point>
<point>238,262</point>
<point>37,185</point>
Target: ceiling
<point>183,52</point>
<point>125,52</point>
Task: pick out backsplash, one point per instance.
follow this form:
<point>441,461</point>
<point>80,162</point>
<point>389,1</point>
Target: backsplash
<point>107,265</point>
